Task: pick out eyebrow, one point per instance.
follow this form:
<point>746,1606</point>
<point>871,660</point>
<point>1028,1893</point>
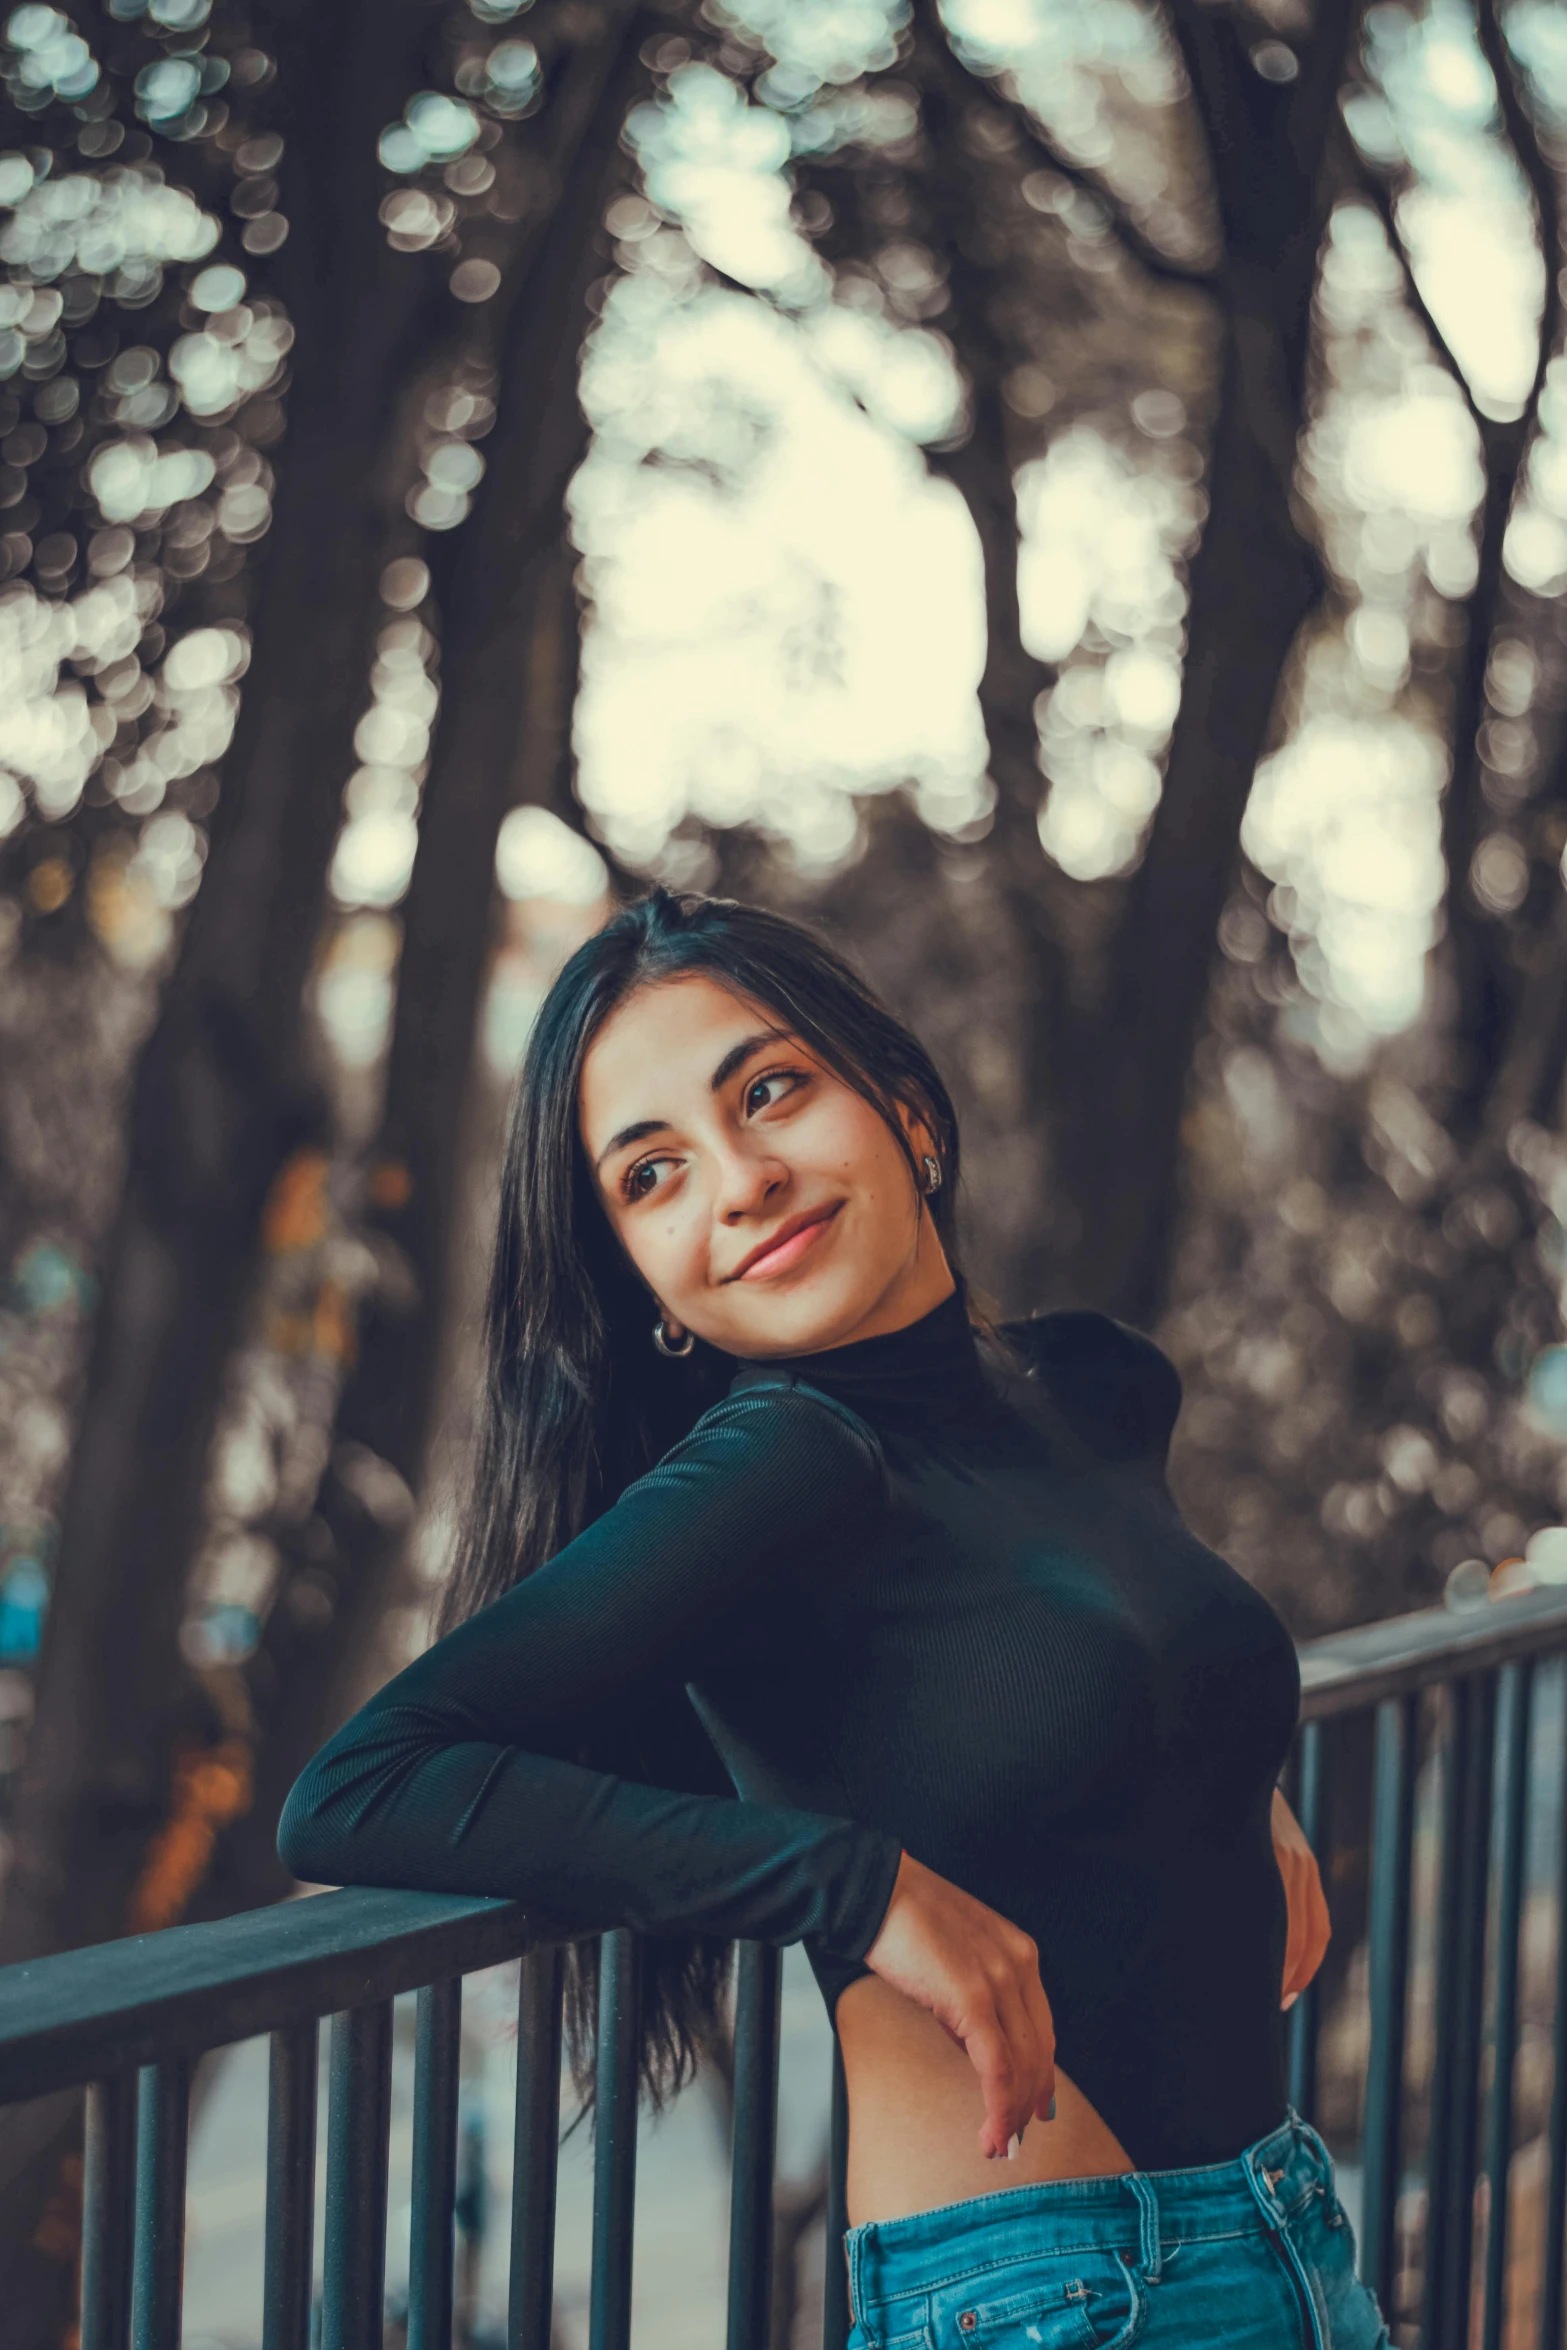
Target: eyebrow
<point>735,1058</point>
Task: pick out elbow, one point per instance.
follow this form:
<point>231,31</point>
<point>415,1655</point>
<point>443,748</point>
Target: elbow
<point>306,1844</point>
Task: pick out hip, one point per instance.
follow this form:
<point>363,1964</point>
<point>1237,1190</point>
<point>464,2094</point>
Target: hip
<point>1253,2254</point>
<point>915,2111</point>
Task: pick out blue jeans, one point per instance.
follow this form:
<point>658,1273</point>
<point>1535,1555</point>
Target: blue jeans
<point>1254,2254</point>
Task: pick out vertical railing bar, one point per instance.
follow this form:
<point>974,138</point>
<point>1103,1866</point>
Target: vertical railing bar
<point>1393,1790</point>
<point>291,2187</point>
<point>1517,1682</point>
<point>530,2307</point>
<point>353,2285</point>
<point>1552,2287</point>
<point>437,2051</point>
<point>758,2010</point>
<point>1311,1810</point>
<point>615,2140</point>
<point>162,2116</point>
<point>1468,2012</point>
<point>835,2283</point>
<point>1435,2334</point>
<point>108,2159</point>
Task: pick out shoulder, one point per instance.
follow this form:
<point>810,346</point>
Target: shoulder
<point>1116,1390</point>
<point>774,1435</point>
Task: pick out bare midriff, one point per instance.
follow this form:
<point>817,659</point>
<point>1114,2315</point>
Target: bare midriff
<point>915,2110</point>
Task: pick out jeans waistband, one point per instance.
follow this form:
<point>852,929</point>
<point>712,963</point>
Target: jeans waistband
<point>1143,2214</point>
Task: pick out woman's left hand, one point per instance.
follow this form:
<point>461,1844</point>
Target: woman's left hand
<point>1309,1925</point>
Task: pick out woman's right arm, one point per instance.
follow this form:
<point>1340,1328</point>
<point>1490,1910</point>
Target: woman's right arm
<point>458,1777</point>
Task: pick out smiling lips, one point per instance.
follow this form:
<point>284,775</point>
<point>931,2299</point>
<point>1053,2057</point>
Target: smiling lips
<point>793,1240</point>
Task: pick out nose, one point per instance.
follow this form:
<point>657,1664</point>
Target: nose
<point>747,1181</point>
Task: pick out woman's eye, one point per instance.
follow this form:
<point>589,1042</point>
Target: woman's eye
<point>759,1094</point>
<point>642,1179</point>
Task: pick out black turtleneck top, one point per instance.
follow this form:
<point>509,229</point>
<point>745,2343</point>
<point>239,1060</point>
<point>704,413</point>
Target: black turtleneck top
<point>921,1597</point>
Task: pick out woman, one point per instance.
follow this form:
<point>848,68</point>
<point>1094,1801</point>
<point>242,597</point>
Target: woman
<point>754,1484</point>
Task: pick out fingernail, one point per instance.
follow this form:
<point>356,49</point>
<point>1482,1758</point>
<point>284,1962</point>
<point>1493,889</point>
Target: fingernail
<point>1014,2147</point>
<point>1051,2115</point>
<point>1290,1998</point>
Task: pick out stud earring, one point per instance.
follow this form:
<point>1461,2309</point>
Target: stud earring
<point>932,1173</point>
<point>667,1346</point>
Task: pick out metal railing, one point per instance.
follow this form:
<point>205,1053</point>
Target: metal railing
<point>1452,1699</point>
<point>1451,1696</point>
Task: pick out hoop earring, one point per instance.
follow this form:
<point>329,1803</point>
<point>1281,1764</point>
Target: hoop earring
<point>932,1173</point>
<point>665,1347</point>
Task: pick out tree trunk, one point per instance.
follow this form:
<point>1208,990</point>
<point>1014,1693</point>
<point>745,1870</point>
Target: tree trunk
<point>219,1098</point>
<point>1526,1079</point>
<point>1487,983</point>
<point>1252,583</point>
<point>1477,940</point>
<point>1105,1080</point>
<point>509,624</point>
<point>1027,887</point>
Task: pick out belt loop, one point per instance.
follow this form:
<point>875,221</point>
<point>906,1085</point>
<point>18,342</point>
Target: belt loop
<point>1148,2247</point>
<point>853,2245</point>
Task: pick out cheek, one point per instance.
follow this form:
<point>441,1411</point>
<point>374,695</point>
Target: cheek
<point>666,1245</point>
<point>879,1168</point>
<point>846,1137</point>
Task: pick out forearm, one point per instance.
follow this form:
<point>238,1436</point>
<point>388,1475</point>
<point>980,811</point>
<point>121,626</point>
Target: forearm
<point>398,1800</point>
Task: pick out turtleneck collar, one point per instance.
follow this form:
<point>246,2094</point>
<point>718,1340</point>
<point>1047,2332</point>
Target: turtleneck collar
<point>929,1365</point>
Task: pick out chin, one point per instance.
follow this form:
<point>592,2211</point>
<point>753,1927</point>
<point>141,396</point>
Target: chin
<point>799,1321</point>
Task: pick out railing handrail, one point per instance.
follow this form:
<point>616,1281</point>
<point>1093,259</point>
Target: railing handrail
<point>85,2015</point>
<point>1344,1671</point>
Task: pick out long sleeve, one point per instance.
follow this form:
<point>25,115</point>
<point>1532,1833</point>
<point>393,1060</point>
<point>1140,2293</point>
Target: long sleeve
<point>458,1777</point>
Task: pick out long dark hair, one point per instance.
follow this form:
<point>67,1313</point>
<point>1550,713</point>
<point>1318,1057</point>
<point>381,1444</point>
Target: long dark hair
<point>576,1401</point>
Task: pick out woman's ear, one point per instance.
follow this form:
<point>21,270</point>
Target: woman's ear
<point>915,1131</point>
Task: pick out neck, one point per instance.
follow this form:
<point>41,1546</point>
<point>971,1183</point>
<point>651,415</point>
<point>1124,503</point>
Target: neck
<point>910,1375</point>
<point>924,1283</point>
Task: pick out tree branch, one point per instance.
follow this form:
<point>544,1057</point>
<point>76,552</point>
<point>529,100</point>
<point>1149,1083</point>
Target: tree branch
<point>1375,189</point>
<point>1524,139</point>
<point>1490,998</point>
<point>1134,239</point>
